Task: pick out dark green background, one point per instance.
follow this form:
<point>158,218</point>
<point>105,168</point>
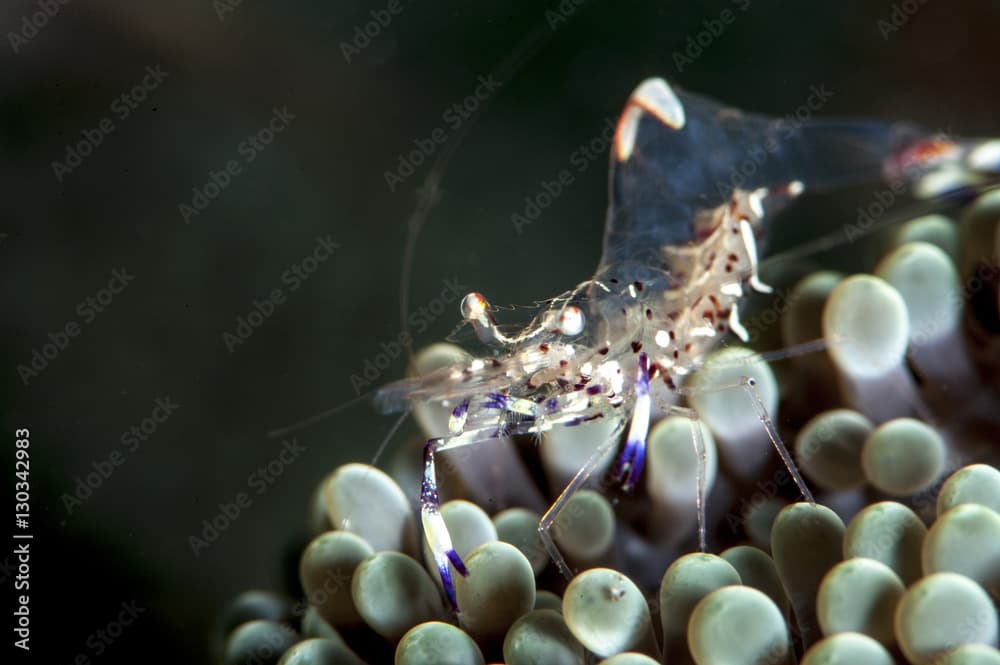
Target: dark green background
<point>324,176</point>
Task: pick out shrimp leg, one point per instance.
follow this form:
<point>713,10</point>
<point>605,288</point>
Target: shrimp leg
<point>633,456</point>
<point>461,434</point>
<point>550,516</point>
<point>435,530</point>
<point>581,477</point>
<point>627,468</point>
<point>749,386</point>
<point>488,421</point>
<point>698,441</point>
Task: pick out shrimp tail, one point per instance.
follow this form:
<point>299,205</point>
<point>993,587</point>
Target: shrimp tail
<point>678,154</point>
<point>829,154</point>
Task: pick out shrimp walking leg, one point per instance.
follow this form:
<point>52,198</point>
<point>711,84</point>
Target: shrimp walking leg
<point>633,456</point>
<point>698,441</point>
<point>488,420</point>
<point>435,529</point>
<point>627,469</point>
<point>549,518</point>
<point>581,477</point>
<point>749,386</point>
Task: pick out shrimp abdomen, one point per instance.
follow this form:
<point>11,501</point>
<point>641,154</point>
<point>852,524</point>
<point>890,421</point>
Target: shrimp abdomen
<point>671,172</point>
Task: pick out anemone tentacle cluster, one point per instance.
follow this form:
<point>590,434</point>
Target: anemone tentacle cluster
<point>895,424</point>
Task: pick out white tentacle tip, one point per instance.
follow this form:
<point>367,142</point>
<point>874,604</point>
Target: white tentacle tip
<point>985,157</point>
<point>653,96</point>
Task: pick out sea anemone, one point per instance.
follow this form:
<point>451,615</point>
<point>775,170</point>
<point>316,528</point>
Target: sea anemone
<point>895,423</point>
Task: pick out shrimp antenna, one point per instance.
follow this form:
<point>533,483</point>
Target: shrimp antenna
<point>319,417</point>
<point>388,436</point>
<point>430,191</point>
<point>430,195</point>
<point>849,233</point>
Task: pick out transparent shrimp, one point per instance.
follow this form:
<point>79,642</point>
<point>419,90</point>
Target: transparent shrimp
<point>693,185</point>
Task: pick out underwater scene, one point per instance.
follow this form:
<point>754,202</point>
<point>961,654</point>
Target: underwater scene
<point>393,333</point>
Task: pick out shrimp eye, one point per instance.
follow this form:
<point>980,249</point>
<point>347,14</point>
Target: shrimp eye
<point>571,321</point>
<point>473,306</point>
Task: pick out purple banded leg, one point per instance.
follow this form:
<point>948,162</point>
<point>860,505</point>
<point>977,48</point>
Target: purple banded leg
<point>456,423</point>
<point>496,401</point>
<point>435,530</point>
<point>633,455</point>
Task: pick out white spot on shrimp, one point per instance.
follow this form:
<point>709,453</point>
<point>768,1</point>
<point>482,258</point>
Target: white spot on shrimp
<point>756,201</point>
<point>611,376</point>
<point>734,289</point>
<point>571,321</point>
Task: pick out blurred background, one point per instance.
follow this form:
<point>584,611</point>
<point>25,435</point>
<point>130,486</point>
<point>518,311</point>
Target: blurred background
<point>166,167</point>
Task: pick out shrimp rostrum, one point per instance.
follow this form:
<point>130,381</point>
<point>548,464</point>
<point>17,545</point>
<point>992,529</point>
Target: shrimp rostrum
<point>693,186</point>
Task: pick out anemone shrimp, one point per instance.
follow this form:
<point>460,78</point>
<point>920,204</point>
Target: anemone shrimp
<point>680,253</point>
